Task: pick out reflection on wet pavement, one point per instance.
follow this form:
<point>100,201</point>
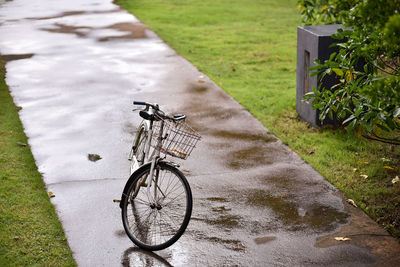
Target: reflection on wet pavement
<point>137,257</point>
<point>295,218</point>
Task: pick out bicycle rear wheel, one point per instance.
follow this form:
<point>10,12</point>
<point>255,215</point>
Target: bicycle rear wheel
<point>157,216</point>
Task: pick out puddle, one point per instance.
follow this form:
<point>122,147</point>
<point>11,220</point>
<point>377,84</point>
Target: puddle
<point>200,110</point>
<point>221,209</point>
<point>232,244</point>
<point>133,31</point>
<point>136,31</point>
<point>198,89</point>
<point>61,15</point>
<point>287,210</point>
<point>11,57</point>
<point>245,136</point>
<point>62,28</point>
<point>254,148</point>
<point>74,13</point>
<point>227,221</point>
<point>135,256</point>
<point>251,157</point>
<point>219,199</point>
<point>294,180</point>
<point>216,113</point>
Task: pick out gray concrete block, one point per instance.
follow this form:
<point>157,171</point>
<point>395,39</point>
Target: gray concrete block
<point>313,42</point>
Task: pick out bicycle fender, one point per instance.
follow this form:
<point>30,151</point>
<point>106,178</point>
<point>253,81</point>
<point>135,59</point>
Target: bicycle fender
<point>146,124</point>
<point>130,180</point>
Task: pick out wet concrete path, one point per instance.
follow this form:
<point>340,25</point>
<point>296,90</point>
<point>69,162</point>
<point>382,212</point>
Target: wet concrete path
<point>75,66</point>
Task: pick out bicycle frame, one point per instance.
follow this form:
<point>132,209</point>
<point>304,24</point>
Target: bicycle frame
<point>153,158</point>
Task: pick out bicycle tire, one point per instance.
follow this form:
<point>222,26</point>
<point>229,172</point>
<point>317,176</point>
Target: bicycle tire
<point>155,225</point>
<point>137,153</point>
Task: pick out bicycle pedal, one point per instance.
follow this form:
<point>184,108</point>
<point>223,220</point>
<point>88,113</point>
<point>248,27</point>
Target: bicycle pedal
<point>144,184</point>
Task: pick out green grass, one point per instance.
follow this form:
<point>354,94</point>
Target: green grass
<point>249,49</point>
<point>30,233</point>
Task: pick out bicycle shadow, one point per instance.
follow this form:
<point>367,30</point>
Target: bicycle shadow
<point>142,258</point>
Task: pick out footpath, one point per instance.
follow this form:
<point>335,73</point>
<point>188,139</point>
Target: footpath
<point>76,66</point>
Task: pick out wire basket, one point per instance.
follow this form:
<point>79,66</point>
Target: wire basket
<point>179,139</point>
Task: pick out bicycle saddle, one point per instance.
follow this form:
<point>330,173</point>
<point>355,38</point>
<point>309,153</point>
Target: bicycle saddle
<point>149,115</point>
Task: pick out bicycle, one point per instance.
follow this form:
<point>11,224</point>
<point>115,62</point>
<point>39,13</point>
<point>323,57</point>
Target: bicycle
<point>157,200</point>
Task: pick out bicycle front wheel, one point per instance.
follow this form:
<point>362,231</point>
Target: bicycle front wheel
<point>158,213</point>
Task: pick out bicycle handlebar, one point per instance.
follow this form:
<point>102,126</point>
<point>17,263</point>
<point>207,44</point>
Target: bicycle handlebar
<point>159,112</point>
<point>139,103</point>
<point>147,104</point>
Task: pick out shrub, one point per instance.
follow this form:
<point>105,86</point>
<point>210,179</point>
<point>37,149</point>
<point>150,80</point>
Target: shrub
<point>368,98</point>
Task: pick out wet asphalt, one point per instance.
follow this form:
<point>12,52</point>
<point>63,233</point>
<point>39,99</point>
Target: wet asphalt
<point>76,66</point>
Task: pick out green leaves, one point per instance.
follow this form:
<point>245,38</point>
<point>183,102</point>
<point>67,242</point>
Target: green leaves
<point>338,72</point>
<point>367,65</point>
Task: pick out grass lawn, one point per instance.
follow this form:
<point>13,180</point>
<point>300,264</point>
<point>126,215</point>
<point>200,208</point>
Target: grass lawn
<point>249,49</point>
<point>30,233</point>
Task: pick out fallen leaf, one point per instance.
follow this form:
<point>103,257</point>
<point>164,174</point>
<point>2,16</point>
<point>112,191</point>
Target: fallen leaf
<point>51,195</point>
<point>339,238</point>
<point>355,170</point>
<point>94,157</point>
<point>395,180</point>
<point>201,77</point>
<point>389,168</point>
<point>362,162</point>
<point>200,81</point>
<point>364,176</point>
<point>351,202</point>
